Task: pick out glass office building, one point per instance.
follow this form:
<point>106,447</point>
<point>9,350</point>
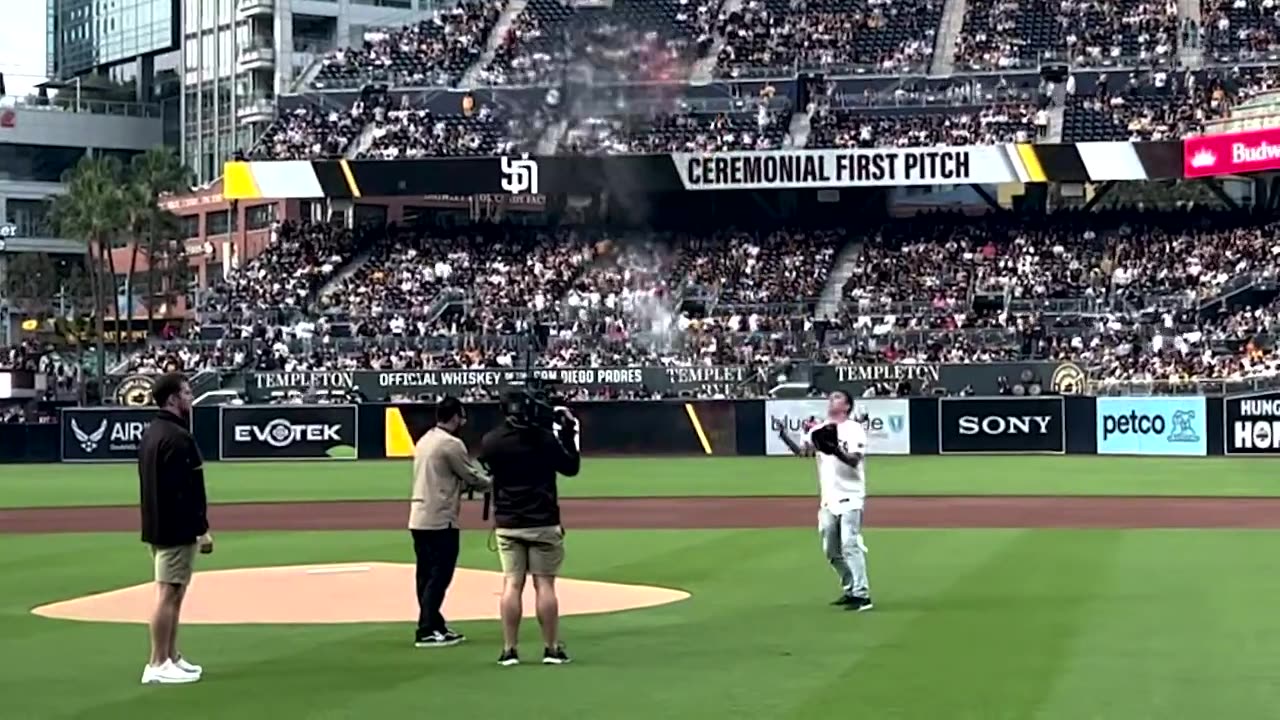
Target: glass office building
<point>88,34</point>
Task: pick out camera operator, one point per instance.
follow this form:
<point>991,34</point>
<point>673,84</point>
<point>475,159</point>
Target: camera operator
<point>524,454</point>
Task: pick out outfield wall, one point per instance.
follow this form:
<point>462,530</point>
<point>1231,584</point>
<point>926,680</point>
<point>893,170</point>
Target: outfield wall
<point>1156,426</point>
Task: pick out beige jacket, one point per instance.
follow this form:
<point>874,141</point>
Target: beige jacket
<point>441,473</point>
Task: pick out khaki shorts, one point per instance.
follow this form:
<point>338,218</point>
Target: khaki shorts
<point>174,564</point>
<point>534,551</point>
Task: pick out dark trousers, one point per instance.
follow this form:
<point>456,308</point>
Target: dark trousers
<point>437,556</point>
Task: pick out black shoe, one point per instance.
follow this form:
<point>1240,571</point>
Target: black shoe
<point>437,639</point>
<point>843,600</point>
<point>555,656</point>
<point>455,637</point>
<point>859,604</point>
<point>508,658</point>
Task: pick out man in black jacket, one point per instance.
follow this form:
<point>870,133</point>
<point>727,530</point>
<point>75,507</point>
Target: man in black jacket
<point>174,521</point>
<point>523,460</point>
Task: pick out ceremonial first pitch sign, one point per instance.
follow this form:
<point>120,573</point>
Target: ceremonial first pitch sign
<point>847,168</point>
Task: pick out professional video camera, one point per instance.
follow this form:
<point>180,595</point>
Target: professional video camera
<point>535,403</point>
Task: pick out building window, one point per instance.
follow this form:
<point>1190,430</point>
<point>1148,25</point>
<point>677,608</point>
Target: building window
<point>218,222</point>
<point>259,217</point>
<point>189,226</point>
<point>30,216</point>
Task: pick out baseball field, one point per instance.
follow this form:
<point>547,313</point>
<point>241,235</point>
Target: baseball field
<point>1005,588</point>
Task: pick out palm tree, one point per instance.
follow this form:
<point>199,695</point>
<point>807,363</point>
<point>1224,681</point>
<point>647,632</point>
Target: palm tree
<point>156,172</point>
<point>93,208</point>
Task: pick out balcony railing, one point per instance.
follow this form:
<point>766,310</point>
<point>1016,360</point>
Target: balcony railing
<point>66,101</point>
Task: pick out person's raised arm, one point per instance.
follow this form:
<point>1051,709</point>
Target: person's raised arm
<point>803,447</point>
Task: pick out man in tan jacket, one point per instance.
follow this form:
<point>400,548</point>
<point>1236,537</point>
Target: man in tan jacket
<point>442,471</point>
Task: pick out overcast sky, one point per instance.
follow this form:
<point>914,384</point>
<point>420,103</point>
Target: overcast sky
<point>22,45</point>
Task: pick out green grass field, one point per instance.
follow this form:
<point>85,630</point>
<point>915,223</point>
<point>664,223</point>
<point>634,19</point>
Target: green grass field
<point>981,625</point>
<point>55,485</point>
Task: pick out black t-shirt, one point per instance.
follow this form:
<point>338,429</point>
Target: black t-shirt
<point>523,462</point>
<point>171,489</point>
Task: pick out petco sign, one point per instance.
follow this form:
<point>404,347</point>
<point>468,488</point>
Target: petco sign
<point>1230,153</point>
<point>1151,426</point>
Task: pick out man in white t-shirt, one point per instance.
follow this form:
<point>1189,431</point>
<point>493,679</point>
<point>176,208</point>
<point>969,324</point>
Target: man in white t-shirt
<point>840,445</point>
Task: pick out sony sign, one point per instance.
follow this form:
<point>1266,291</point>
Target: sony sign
<point>1001,425</point>
<point>1252,424</point>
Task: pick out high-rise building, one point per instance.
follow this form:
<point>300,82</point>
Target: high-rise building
<point>239,55</point>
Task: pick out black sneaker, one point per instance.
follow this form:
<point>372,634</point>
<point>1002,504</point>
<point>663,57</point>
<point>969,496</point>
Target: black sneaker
<point>843,600</point>
<point>455,637</point>
<point>436,639</point>
<point>508,658</point>
<point>555,656</point>
<point>859,604</point>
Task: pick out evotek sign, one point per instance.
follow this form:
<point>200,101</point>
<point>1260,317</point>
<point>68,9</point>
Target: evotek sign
<point>1165,425</point>
<point>293,432</point>
<point>1251,424</point>
<point>888,423</point>
<point>103,435</point>
<point>1001,425</point>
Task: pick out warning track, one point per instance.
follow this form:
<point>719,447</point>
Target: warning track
<point>711,512</point>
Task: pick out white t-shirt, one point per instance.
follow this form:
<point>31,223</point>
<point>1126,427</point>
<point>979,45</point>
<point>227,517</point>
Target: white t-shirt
<point>843,488</point>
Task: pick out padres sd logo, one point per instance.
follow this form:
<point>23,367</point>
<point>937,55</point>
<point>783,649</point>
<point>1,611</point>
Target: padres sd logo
<point>135,390</point>
<point>1068,379</point>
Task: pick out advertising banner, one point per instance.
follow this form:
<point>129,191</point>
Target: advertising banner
<point>1003,425</point>
<point>103,434</point>
<point>1229,153</point>
<point>1251,424</point>
<point>1172,425</point>
<point>529,176</point>
<point>380,385</point>
<point>288,432</point>
<point>888,423</point>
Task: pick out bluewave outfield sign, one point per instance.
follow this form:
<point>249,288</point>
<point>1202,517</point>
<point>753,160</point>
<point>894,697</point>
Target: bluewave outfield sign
<point>379,384</point>
<point>888,423</point>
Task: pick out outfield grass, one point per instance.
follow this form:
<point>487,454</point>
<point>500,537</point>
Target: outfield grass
<point>61,485</point>
<point>970,625</point>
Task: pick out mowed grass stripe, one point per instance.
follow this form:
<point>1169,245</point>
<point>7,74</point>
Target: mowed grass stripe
<point>1186,627</point>
<point>72,485</point>
<point>987,647</point>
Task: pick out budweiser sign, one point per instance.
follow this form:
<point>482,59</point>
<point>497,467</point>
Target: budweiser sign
<point>1230,153</point>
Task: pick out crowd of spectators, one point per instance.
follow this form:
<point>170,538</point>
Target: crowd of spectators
<point>310,132</point>
<point>771,37</point>
<point>763,129</point>
<point>284,278</point>
<point>433,52</point>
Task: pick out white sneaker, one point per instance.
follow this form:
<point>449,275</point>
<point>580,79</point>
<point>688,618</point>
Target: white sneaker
<point>167,674</point>
<point>182,664</point>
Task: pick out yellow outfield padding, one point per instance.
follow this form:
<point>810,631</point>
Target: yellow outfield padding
<point>399,442</point>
